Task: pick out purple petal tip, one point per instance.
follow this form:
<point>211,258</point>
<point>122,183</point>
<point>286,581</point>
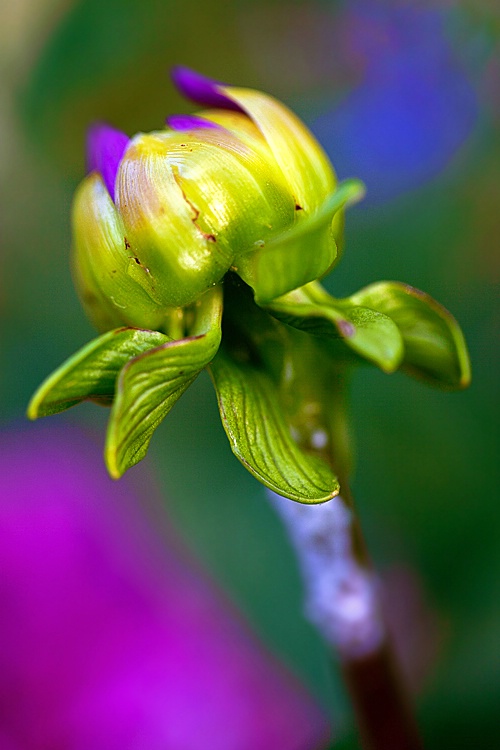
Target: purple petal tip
<point>191,122</point>
<point>200,89</point>
<point>105,148</point>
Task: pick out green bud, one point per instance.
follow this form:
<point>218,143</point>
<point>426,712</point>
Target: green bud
<point>190,203</point>
<point>164,216</point>
<point>240,194</point>
<point>105,267</point>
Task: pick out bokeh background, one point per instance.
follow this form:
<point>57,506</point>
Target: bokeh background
<point>406,96</point>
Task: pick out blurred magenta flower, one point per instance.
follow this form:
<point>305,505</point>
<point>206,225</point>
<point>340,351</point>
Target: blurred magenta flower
<point>109,640</point>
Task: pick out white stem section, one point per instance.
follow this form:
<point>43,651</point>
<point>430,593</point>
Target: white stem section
<point>342,597</point>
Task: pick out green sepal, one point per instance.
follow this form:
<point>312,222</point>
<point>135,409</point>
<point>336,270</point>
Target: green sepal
<point>91,373</point>
<point>150,384</point>
<point>269,408</point>
<point>254,421</point>
<point>435,348</point>
<point>368,333</point>
<point>303,253</point>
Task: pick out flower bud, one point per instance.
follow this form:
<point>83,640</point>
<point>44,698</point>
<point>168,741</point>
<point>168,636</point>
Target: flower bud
<point>163,216</point>
<point>103,261</point>
<point>241,189</point>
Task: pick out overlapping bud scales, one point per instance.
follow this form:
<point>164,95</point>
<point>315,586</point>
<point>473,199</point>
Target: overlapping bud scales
<point>163,216</point>
<point>200,246</point>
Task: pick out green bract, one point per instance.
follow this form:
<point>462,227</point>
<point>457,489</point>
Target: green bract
<point>199,246</point>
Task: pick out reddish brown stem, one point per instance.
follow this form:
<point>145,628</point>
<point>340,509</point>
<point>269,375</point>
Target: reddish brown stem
<point>342,595</point>
<point>341,588</point>
<point>379,696</point>
<point>380,703</point>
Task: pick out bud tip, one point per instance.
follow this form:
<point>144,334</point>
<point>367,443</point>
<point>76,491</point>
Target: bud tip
<point>200,89</point>
<point>105,148</point>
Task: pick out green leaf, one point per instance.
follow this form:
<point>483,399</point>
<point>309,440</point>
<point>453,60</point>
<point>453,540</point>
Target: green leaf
<point>305,252</point>
<point>435,348</point>
<point>91,373</point>
<point>150,384</point>
<point>254,420</point>
<point>369,333</point>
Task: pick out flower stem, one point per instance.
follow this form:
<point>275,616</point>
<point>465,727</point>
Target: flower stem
<point>342,599</point>
<point>381,706</point>
<point>378,692</point>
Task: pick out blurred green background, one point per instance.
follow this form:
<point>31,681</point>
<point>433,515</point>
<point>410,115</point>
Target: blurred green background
<point>405,95</point>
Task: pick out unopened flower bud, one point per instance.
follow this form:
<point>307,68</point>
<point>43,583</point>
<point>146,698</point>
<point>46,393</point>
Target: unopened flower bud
<point>163,216</point>
<point>240,190</point>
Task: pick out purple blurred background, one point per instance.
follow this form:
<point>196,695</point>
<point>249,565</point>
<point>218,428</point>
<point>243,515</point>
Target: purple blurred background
<point>110,637</point>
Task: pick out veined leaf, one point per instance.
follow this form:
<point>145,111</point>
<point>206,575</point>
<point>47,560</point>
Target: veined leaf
<point>369,333</point>
<point>305,252</point>
<point>435,348</point>
<point>254,421</point>
<point>150,384</point>
<point>91,373</point>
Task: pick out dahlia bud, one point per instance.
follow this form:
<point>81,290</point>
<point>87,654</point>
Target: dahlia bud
<point>240,190</point>
<point>163,216</point>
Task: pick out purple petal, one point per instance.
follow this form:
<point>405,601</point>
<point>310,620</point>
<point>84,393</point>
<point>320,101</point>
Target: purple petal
<point>191,122</point>
<point>200,89</point>
<point>105,148</point>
